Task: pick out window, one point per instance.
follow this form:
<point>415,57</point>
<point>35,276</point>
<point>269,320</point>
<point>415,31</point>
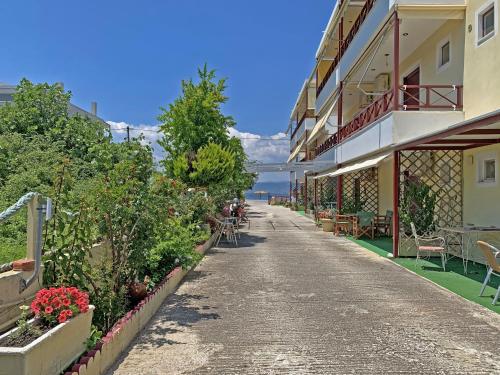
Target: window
<point>445,54</point>
<point>486,23</point>
<point>489,170</point>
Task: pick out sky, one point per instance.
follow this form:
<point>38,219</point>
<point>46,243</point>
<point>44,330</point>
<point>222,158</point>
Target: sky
<point>130,56</point>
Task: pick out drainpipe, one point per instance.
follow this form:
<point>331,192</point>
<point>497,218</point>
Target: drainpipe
<point>395,203</point>
<point>395,81</point>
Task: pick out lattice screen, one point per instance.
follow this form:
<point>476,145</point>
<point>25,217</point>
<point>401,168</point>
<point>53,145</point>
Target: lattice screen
<point>360,191</point>
<point>442,172</point>
<point>310,191</point>
<point>327,192</point>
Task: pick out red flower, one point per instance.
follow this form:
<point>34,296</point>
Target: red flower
<point>62,318</point>
<point>66,302</point>
<point>68,313</point>
<point>49,310</point>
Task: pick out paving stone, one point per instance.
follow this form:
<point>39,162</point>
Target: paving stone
<point>294,300</point>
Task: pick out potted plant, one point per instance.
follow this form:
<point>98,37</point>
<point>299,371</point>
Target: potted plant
<point>48,343</point>
<point>327,221</point>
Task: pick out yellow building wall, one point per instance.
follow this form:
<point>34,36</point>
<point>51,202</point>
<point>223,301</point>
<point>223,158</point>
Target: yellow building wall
<point>481,78</point>
<point>481,202</point>
<point>385,187</point>
<point>426,56</point>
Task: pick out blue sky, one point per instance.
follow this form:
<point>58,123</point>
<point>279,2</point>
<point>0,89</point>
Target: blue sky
<point>130,56</point>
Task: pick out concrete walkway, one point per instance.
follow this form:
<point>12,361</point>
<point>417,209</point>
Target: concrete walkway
<point>293,300</point>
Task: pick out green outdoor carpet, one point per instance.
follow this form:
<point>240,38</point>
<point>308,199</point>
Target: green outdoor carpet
<point>454,279</point>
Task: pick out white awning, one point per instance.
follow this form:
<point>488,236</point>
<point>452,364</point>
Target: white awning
<point>369,163</point>
<point>296,151</point>
<point>322,121</point>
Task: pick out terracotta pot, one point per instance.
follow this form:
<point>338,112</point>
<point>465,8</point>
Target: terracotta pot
<point>137,291</point>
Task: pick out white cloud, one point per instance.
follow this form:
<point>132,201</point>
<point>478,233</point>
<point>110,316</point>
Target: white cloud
<point>150,133</point>
<point>265,149</point>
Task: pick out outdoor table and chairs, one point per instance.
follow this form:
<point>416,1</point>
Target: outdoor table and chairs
<point>465,237</point>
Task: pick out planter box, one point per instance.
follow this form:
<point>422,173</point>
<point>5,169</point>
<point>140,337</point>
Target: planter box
<point>52,352</point>
<point>327,225</point>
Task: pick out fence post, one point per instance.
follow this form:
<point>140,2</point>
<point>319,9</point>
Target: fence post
<point>31,229</point>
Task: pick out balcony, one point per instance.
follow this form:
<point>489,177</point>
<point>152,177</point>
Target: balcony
<point>344,45</point>
<point>413,99</point>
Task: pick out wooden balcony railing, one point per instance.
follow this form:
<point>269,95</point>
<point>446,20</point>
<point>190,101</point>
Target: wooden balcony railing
<point>445,97</point>
<point>309,113</point>
<point>415,97</point>
<point>345,43</point>
<point>371,113</point>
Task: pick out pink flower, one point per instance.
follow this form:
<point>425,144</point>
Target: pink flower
<point>49,310</point>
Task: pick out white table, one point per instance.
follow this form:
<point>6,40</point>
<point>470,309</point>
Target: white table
<point>468,238</point>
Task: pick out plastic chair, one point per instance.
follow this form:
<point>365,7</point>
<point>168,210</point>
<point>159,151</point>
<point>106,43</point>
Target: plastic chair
<point>431,248</point>
<point>490,253</point>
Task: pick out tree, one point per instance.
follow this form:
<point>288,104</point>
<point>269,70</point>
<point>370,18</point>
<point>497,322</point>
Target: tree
<point>195,119</point>
<point>213,165</point>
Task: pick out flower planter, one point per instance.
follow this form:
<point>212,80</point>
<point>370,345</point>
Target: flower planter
<point>52,352</point>
<point>327,225</point>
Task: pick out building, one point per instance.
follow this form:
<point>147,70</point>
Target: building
<point>6,92</point>
<point>402,91</point>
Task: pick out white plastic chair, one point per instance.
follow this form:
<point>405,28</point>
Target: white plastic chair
<point>436,245</point>
<point>491,254</point>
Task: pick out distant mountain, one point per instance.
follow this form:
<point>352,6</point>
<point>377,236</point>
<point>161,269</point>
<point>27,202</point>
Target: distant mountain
<point>273,188</point>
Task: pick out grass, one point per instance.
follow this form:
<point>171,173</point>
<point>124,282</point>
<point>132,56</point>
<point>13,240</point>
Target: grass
<point>453,279</point>
<point>10,251</point>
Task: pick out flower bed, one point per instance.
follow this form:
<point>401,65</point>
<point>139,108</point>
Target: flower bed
<point>98,360</point>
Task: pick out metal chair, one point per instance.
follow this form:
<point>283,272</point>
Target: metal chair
<point>227,228</point>
<point>431,248</point>
<point>491,253</point>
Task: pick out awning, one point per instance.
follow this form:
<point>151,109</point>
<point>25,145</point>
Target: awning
<point>369,163</point>
<point>322,121</point>
<point>296,151</point>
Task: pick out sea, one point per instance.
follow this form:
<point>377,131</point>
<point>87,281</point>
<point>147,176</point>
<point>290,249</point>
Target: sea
<point>272,188</point>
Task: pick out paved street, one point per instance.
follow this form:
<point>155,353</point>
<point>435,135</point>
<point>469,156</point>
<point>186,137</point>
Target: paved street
<point>294,300</point>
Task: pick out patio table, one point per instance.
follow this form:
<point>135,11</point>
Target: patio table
<point>468,237</point>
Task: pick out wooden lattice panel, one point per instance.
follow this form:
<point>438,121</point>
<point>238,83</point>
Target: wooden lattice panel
<point>442,172</point>
<point>360,191</point>
<point>326,191</point>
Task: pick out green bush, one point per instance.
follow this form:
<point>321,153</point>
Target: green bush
<point>175,248</point>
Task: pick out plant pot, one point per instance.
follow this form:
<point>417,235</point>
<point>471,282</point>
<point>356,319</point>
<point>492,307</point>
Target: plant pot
<point>327,225</point>
<point>137,291</point>
<point>52,352</point>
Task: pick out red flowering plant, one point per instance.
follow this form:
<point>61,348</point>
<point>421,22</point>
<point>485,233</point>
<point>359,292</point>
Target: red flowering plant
<point>56,305</point>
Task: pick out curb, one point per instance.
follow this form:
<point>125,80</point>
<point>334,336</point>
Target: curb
<point>98,360</point>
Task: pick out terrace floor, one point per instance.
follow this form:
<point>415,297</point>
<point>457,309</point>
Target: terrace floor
<point>293,300</point>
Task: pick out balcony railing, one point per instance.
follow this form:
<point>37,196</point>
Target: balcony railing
<point>371,113</point>
<point>309,113</point>
<point>445,97</point>
<point>415,97</point>
<point>345,43</point>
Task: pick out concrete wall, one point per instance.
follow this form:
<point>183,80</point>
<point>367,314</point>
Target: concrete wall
<point>481,201</point>
<point>426,56</point>
<point>385,186</point>
<point>481,78</point>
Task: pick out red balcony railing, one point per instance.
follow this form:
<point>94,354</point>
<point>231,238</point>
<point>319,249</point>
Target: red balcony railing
<point>345,43</point>
<point>415,97</point>
<point>371,113</point>
<point>445,97</point>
